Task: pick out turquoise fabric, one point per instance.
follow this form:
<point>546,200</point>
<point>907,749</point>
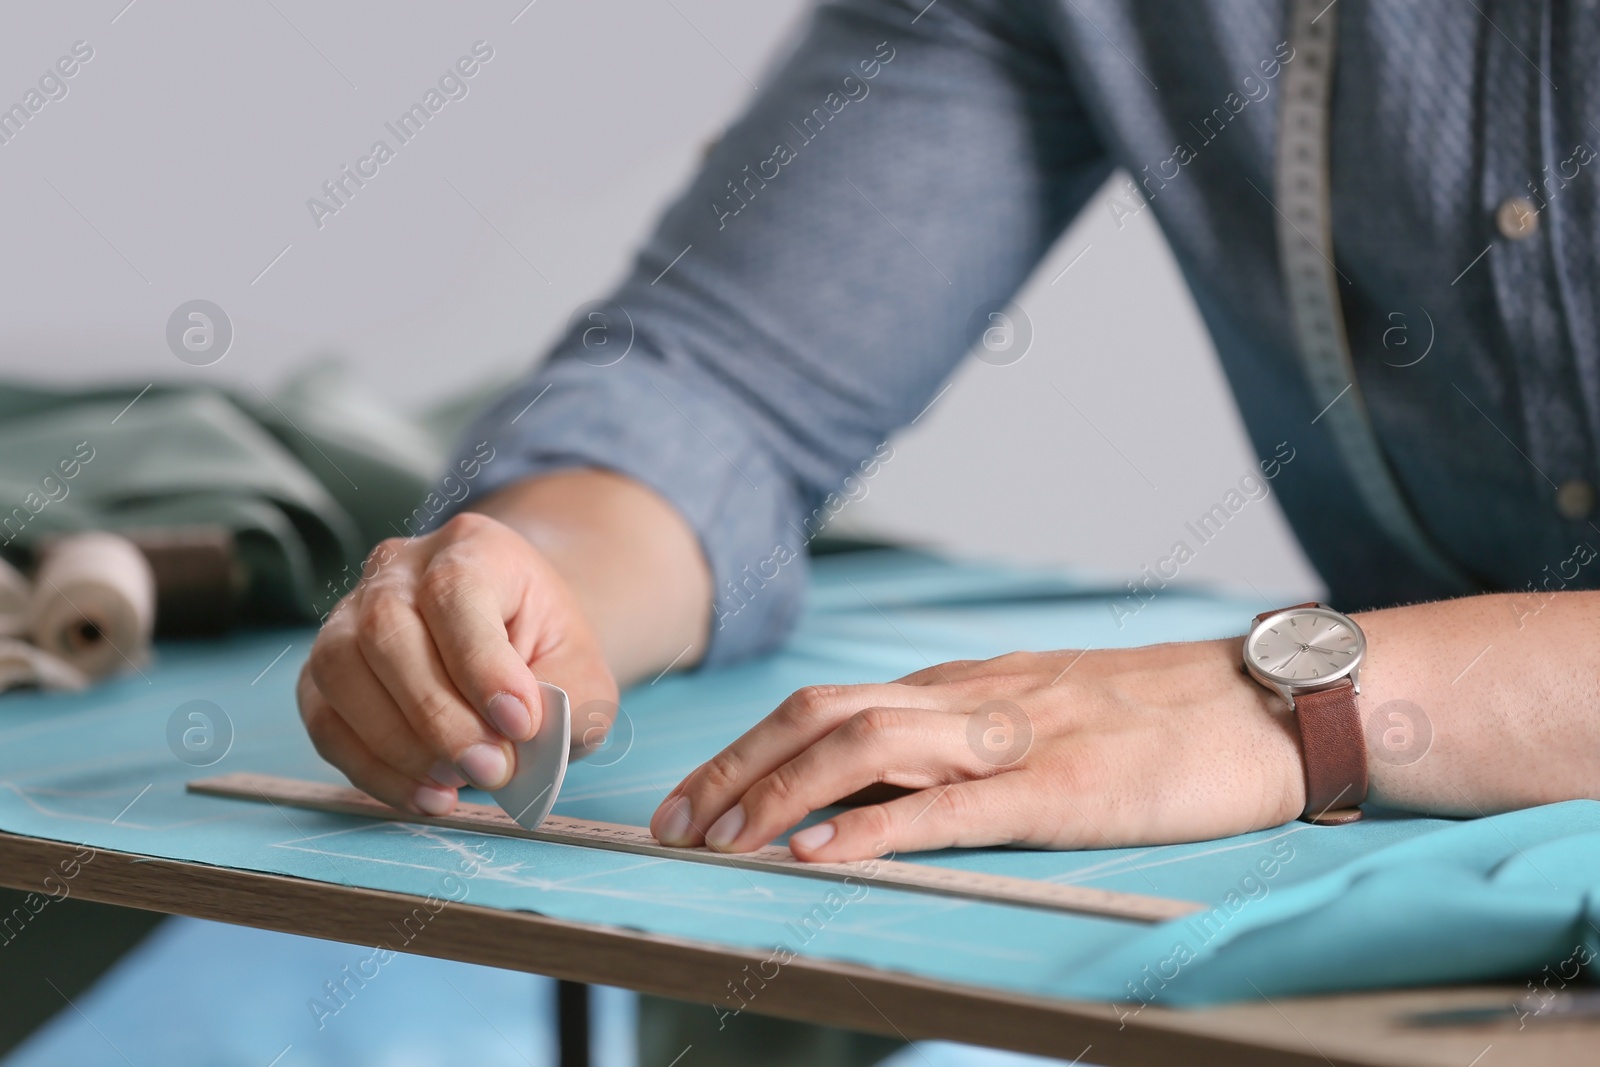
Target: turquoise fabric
<point>1391,900</point>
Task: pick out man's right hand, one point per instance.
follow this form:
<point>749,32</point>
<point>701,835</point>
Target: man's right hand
<point>426,672</point>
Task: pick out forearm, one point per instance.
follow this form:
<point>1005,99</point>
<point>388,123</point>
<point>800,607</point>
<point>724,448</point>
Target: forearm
<point>632,562</point>
<point>1509,686</point>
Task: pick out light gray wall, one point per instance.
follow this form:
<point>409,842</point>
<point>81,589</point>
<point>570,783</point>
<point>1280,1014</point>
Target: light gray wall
<point>178,165</point>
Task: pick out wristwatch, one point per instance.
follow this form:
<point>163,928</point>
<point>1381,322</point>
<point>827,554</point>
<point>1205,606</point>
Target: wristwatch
<point>1311,655</point>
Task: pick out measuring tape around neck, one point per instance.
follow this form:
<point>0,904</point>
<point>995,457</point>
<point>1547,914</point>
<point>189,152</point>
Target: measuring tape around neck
<point>1305,247</point>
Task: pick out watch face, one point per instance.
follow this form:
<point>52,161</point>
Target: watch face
<point>1305,647</point>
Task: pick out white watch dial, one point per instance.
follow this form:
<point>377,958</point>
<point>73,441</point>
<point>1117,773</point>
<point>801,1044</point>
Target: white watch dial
<point>1306,647</point>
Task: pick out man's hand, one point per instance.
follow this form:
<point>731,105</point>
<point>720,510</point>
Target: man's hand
<point>424,675</point>
<point>1166,743</point>
<point>1054,750</point>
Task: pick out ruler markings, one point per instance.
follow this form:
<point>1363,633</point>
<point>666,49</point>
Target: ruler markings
<point>586,833</point>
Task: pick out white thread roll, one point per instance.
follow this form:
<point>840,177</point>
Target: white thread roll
<point>22,664</point>
<point>13,601</point>
<point>94,603</point>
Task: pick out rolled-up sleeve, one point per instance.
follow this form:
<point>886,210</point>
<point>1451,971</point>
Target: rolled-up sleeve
<point>815,284</point>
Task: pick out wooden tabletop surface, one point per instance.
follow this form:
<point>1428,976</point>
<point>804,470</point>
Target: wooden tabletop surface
<point>1365,1028</point>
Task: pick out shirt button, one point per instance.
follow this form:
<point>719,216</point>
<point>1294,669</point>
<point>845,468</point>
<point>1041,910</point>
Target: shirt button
<point>1516,218</point>
<point>1575,499</point>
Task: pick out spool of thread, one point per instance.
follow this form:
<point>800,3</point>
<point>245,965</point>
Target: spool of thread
<point>93,603</point>
<point>21,664</point>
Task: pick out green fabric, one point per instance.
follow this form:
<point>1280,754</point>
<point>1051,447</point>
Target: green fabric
<point>308,477</point>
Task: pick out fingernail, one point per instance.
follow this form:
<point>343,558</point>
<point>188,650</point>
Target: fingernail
<point>485,766</point>
<point>813,836</point>
<point>725,829</point>
<point>675,824</point>
<point>431,800</point>
<point>511,716</point>
<point>447,775</point>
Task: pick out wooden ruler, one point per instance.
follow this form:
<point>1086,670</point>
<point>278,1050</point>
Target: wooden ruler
<point>561,830</point>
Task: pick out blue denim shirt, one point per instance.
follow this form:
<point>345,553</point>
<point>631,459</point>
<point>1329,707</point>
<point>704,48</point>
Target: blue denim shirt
<point>777,327</point>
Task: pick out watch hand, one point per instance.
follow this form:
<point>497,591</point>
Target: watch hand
<point>1285,664</point>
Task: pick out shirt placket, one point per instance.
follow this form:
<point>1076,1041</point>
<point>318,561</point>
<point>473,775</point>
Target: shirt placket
<point>1518,215</point>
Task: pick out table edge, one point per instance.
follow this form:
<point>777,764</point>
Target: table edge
<point>830,992</point>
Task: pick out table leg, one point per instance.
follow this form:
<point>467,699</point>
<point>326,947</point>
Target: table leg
<point>572,1023</point>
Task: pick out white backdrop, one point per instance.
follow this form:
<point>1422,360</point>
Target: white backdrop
<point>176,162</point>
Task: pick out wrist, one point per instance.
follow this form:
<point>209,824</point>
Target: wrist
<point>630,563</point>
<point>1276,754</point>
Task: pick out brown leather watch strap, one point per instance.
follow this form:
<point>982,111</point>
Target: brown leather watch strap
<point>1334,748</point>
<point>1335,754</point>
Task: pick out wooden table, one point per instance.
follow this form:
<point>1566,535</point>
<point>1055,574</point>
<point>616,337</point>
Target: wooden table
<point>1364,1029</point>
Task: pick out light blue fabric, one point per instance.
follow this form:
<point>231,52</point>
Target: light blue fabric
<point>1392,899</point>
<point>788,313</point>
<point>201,993</point>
